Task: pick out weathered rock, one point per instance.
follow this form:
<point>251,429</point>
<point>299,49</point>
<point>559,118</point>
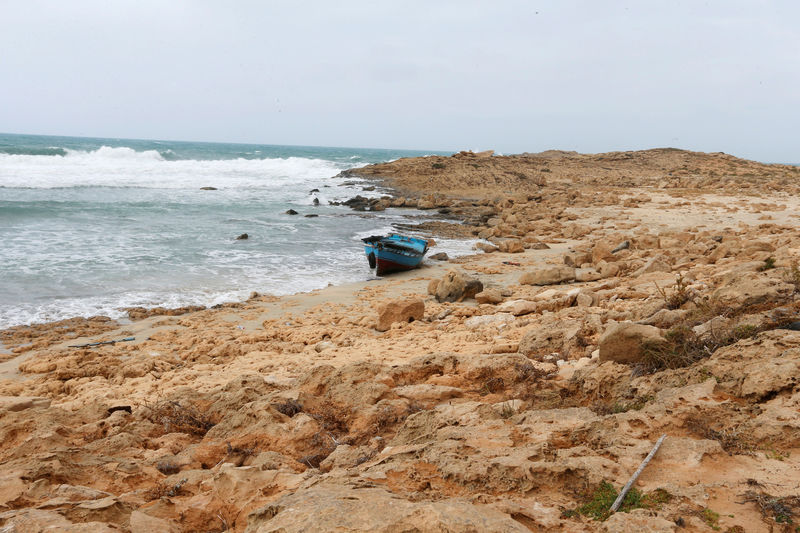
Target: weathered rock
<point>441,256</point>
<point>548,276</point>
<point>576,259</point>
<point>291,212</point>
<point>486,247</point>
<point>498,319</point>
<point>511,246</point>
<point>20,403</point>
<point>208,188</point>
<point>426,393</point>
<point>587,274</point>
<point>654,264</point>
<point>456,286</point>
<point>751,289</point>
<point>327,507</point>
<point>403,310</point>
<point>548,339</point>
<point>638,521</point>
<point>242,237</point>
<point>625,342</point>
<point>489,296</point>
<point>586,299</point>
<point>144,523</point>
<point>518,307</point>
<point>624,245</point>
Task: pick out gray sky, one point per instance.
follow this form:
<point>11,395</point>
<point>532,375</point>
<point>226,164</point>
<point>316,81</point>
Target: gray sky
<point>514,76</point>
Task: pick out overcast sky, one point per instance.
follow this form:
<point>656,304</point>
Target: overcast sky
<point>515,76</point>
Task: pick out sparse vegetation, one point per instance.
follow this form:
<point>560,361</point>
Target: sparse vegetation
<point>781,510</point>
<point>711,518</point>
<point>178,418</point>
<point>438,166</point>
<point>600,501</point>
<point>769,263</point>
<point>793,275</point>
<point>677,296</point>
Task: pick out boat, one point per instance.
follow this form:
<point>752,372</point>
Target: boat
<point>393,252</point>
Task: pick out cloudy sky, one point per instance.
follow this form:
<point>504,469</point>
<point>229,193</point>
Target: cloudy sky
<point>717,75</point>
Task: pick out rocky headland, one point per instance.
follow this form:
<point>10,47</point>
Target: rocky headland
<point>612,298</point>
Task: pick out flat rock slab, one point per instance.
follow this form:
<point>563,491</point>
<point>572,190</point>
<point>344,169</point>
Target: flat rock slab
<point>20,403</point>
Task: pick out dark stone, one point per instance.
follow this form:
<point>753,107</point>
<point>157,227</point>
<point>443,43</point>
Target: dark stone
<point>370,188</point>
<point>316,201</point>
<point>313,191</point>
<point>126,408</point>
<point>291,212</point>
<point>794,326</point>
<point>310,216</point>
<point>208,188</point>
<point>624,245</point>
<point>441,256</point>
<point>717,238</point>
<point>243,237</point>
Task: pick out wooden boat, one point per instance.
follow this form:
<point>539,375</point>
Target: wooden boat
<point>393,252</point>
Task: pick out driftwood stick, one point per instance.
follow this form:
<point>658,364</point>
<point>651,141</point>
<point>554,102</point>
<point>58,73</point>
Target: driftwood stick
<point>635,476</point>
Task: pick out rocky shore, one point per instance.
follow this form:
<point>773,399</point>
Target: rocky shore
<point>613,298</point>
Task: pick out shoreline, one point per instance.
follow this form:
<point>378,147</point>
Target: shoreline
<point>509,407</point>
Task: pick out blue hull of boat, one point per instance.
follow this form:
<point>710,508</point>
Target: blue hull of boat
<point>394,253</point>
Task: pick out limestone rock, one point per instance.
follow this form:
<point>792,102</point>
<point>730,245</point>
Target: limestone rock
<point>327,507</point>
<point>624,342</point>
<point>441,256</point>
<point>511,246</point>
<point>587,274</point>
<point>654,264</point>
<point>144,523</point>
<point>20,403</point>
<point>753,289</point>
<point>499,319</point>
<point>424,392</point>
<point>545,340</point>
<point>576,259</point>
<point>486,247</point>
<point>518,307</point>
<point>403,310</point>
<point>456,286</point>
<point>638,521</point>
<point>548,276</point>
<point>489,296</point>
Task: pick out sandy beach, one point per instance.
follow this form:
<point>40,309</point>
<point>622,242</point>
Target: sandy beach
<point>613,298</point>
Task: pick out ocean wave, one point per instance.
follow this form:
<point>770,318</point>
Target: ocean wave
<point>125,167</point>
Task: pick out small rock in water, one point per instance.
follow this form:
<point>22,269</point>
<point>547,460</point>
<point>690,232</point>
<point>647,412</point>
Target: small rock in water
<point>313,191</point>
<point>316,201</point>
<point>370,188</point>
<point>208,188</point>
<point>310,216</point>
<point>242,237</point>
<point>291,212</point>
<point>441,256</point>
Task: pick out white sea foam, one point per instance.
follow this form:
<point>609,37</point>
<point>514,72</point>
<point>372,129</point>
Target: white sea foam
<point>125,167</point>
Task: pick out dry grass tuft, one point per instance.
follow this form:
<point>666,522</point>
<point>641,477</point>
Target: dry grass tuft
<point>177,418</point>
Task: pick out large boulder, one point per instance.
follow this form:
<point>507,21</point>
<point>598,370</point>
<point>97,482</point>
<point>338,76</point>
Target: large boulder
<point>548,276</point>
<point>625,342</point>
<point>403,310</point>
<point>455,286</point>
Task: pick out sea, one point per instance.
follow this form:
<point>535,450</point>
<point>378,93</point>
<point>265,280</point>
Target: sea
<point>92,226</point>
